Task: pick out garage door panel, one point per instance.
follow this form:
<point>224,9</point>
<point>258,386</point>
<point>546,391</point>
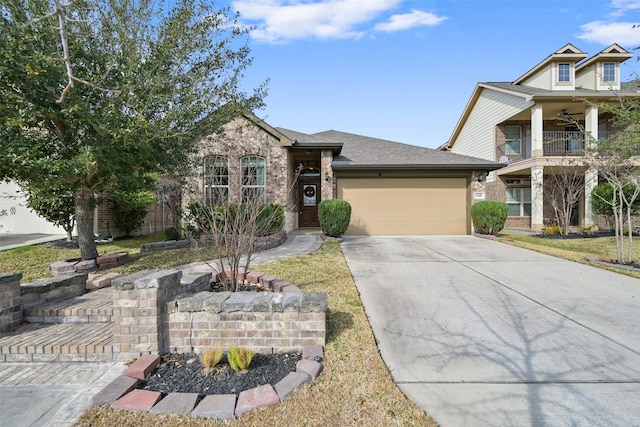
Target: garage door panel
<point>406,206</point>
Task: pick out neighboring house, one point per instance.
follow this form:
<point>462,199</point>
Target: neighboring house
<point>19,219</point>
<point>393,188</point>
<point>538,122</point>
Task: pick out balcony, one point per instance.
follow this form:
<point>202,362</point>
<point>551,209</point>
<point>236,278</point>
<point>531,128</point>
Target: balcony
<point>554,143</point>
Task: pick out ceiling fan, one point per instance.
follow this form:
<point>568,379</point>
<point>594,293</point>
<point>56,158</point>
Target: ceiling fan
<point>563,113</point>
<point>564,117</point>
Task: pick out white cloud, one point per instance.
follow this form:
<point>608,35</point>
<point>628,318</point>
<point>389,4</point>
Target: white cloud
<point>279,20</point>
<point>623,33</point>
<point>623,6</point>
<point>406,21</point>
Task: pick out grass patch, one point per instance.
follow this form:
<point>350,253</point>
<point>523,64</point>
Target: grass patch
<point>33,261</point>
<point>355,387</point>
<point>574,249</point>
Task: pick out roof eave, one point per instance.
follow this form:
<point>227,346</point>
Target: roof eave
<point>336,147</point>
<point>461,166</point>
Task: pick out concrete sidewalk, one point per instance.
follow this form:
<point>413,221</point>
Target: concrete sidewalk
<point>483,333</point>
<point>56,394</point>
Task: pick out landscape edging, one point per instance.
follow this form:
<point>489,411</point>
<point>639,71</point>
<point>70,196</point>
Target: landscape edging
<point>307,369</point>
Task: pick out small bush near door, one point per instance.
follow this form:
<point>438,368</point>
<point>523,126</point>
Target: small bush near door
<point>489,216</point>
<point>334,217</point>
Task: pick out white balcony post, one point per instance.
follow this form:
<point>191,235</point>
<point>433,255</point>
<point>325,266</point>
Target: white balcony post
<point>591,175</point>
<point>590,182</point>
<point>591,123</point>
<point>536,131</point>
<point>537,198</point>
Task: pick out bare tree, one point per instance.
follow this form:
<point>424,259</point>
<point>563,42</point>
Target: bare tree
<point>617,160</point>
<point>564,189</point>
<point>233,218</point>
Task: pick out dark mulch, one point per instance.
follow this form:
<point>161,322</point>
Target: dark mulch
<point>577,235</point>
<point>183,372</point>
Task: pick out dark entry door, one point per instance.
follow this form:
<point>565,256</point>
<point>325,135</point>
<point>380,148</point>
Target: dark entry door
<point>309,199</point>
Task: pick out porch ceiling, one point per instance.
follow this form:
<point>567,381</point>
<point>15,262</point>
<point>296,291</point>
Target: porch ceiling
<point>551,110</point>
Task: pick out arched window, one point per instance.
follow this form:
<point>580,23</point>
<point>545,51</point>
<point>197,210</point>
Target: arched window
<point>253,179</point>
<point>216,180</point>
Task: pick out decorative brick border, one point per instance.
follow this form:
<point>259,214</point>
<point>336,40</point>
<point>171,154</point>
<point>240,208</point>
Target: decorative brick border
<point>122,393</point>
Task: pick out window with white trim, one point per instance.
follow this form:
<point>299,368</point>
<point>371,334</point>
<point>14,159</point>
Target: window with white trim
<point>609,72</point>
<point>513,139</point>
<point>216,180</point>
<point>253,179</point>
<point>564,73</point>
<point>518,197</point>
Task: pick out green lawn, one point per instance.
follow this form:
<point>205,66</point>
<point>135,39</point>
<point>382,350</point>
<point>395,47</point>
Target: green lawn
<point>33,261</point>
<point>573,249</point>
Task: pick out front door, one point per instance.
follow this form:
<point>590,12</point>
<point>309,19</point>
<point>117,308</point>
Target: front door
<point>309,199</point>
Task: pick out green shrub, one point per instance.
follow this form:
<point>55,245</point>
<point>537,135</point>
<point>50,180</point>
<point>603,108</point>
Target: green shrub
<point>489,216</point>
<point>239,358</point>
<point>171,233</point>
<point>130,208</point>
<point>270,219</point>
<point>334,216</point>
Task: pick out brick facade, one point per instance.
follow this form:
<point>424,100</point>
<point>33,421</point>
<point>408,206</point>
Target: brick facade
<point>239,139</point>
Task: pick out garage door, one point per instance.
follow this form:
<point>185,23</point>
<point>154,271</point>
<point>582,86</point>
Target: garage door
<point>406,205</point>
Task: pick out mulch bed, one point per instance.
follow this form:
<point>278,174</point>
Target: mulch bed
<point>184,373</point>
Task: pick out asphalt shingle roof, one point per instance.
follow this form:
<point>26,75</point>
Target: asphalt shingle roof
<point>361,151</point>
<point>625,88</point>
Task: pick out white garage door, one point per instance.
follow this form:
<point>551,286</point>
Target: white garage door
<point>406,205</point>
<point>19,218</point>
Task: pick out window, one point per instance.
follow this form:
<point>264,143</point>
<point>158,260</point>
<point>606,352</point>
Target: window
<point>253,179</point>
<point>609,72</point>
<point>564,73</point>
<point>513,139</point>
<point>518,198</point>
<point>216,180</point>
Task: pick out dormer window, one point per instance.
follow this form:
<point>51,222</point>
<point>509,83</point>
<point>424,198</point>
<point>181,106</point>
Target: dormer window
<point>564,73</point>
<point>609,72</point>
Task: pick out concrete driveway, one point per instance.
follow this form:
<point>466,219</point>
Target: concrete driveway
<point>481,333</point>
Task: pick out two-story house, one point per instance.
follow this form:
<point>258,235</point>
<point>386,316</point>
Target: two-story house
<point>539,121</point>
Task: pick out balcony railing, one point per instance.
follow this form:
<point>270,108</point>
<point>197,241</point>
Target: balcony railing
<point>554,143</point>
<point>570,143</point>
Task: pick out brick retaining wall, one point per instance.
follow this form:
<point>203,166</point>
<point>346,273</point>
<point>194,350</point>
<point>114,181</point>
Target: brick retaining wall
<point>51,289</point>
<point>10,302</point>
<point>157,312</point>
<point>266,322</point>
<point>260,244</point>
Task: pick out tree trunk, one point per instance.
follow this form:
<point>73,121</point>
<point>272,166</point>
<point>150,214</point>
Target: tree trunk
<point>86,240</point>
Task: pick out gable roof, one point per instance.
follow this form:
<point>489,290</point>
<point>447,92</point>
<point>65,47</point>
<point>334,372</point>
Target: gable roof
<point>612,53</point>
<point>566,53</point>
<point>363,152</point>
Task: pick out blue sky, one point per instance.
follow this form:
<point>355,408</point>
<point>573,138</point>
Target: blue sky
<point>404,70</point>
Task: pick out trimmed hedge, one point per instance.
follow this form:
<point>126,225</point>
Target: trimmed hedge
<point>489,216</point>
<point>334,216</point>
